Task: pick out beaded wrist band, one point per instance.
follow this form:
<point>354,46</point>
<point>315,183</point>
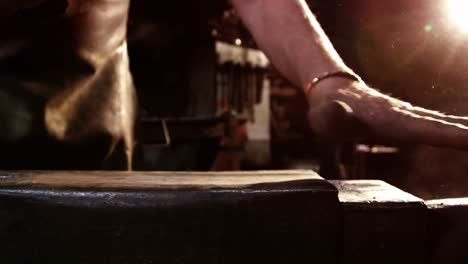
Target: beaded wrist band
<point>343,74</point>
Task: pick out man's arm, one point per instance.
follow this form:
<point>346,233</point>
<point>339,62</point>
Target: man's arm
<point>292,38</point>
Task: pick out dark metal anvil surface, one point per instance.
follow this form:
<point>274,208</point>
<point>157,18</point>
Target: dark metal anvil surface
<point>227,217</point>
<point>151,217</point>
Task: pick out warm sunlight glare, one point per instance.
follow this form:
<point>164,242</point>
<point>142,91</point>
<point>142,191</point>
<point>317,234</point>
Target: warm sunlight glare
<point>458,13</point>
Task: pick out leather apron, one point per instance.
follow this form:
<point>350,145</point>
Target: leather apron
<point>66,93</point>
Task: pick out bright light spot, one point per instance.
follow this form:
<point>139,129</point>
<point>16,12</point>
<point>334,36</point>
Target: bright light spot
<point>238,42</point>
<point>458,13</point>
<point>428,28</point>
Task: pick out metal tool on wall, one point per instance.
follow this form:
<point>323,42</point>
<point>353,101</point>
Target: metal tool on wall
<point>240,79</point>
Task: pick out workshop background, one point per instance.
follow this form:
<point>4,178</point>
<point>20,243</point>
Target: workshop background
<point>199,61</point>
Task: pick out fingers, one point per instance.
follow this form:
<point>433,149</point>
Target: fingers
<point>463,120</point>
<point>424,127</point>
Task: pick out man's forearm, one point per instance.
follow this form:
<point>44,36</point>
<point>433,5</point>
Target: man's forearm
<point>292,38</point>
<point>295,43</point>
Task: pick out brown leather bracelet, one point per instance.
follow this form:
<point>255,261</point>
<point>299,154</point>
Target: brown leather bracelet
<point>343,74</point>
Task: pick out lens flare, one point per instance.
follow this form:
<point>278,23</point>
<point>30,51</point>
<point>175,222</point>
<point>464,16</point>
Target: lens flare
<point>458,13</point>
<point>428,28</point>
